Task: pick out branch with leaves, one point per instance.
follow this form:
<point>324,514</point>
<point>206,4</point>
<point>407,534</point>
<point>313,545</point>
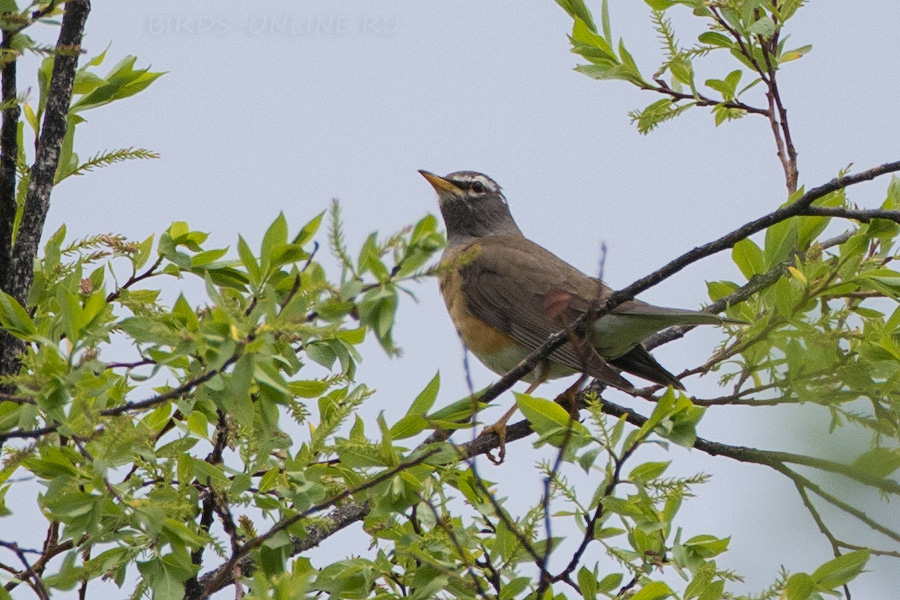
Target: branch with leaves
<point>222,475</point>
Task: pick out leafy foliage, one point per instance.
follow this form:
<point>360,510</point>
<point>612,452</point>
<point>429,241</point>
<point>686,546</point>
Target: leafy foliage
<point>748,30</point>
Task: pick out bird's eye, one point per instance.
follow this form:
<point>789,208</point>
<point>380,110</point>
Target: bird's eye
<point>478,187</point>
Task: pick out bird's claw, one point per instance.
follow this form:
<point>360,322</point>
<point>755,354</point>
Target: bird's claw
<point>498,428</point>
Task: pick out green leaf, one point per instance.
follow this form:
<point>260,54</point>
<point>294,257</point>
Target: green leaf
<point>764,27</point>
<point>719,289</point>
<point>587,581</point>
<point>604,18</point>
<point>654,590</point>
<point>577,9</point>
<point>610,582</point>
<point>457,411</point>
<point>14,318</point>
<point>8,6</point>
<point>841,570</point>
<point>586,460</point>
<point>408,426</point>
<point>589,44</point>
<point>309,230</point>
<point>425,400</point>
<point>878,462</point>
<point>211,474</point>
<point>781,240</point>
<point>321,353</point>
<point>370,259</point>
<point>185,314</point>
<point>284,254</point>
<point>309,389</point>
<point>649,471</point>
<point>784,297</point>
<point>121,82</point>
<point>795,53</point>
<point>166,575</point>
<point>240,403</point>
<point>748,257</point>
<point>799,586</point>
<point>715,590</point>
<point>682,70</point>
<point>275,235</point>
<point>206,257</point>
<point>248,260</point>
<point>707,546</point>
<point>629,65</point>
<point>714,38</point>
<point>550,419</point>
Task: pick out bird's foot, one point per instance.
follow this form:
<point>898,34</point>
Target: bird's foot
<point>500,429</point>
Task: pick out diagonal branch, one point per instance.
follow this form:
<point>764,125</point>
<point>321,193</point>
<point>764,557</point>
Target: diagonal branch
<point>723,243</point>
<point>729,240</point>
<point>756,284</point>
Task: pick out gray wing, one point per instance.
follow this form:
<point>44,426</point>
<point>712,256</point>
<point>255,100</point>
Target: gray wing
<point>511,288</point>
<point>529,293</point>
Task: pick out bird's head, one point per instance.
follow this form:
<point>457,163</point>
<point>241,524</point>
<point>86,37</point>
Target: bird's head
<point>472,205</point>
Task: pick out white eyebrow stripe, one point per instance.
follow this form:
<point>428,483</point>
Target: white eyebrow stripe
<point>467,178</point>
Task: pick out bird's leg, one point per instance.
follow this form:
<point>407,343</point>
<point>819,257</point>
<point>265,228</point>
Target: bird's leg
<point>500,427</point>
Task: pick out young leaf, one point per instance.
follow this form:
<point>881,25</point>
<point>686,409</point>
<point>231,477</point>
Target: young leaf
<point>748,257</point>
<point>14,318</point>
<point>425,400</point>
<point>841,570</point>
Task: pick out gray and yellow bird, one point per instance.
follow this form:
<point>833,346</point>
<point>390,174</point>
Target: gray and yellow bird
<point>506,295</point>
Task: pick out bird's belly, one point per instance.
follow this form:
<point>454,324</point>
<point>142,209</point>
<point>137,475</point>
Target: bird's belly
<point>507,359</point>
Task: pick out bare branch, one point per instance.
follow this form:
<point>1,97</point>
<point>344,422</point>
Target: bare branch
<point>861,215</point>
<point>29,571</point>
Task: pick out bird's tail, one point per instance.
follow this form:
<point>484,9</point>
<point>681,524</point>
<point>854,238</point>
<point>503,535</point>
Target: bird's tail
<point>641,363</point>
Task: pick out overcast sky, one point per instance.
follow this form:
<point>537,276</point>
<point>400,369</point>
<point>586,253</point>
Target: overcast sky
<point>281,106</point>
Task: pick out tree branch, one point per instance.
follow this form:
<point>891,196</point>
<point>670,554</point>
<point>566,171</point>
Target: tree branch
<point>756,284</point>
<point>745,231</point>
<point>9,153</point>
<point>861,215</point>
<point>43,172</point>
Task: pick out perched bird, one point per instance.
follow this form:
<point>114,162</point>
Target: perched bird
<point>506,295</point>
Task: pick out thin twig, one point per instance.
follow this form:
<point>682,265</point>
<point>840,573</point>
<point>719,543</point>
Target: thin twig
<point>701,100</point>
<point>37,583</point>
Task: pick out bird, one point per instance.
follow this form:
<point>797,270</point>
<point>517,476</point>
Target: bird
<point>506,295</point>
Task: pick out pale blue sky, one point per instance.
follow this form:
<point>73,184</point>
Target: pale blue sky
<point>280,106</point>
